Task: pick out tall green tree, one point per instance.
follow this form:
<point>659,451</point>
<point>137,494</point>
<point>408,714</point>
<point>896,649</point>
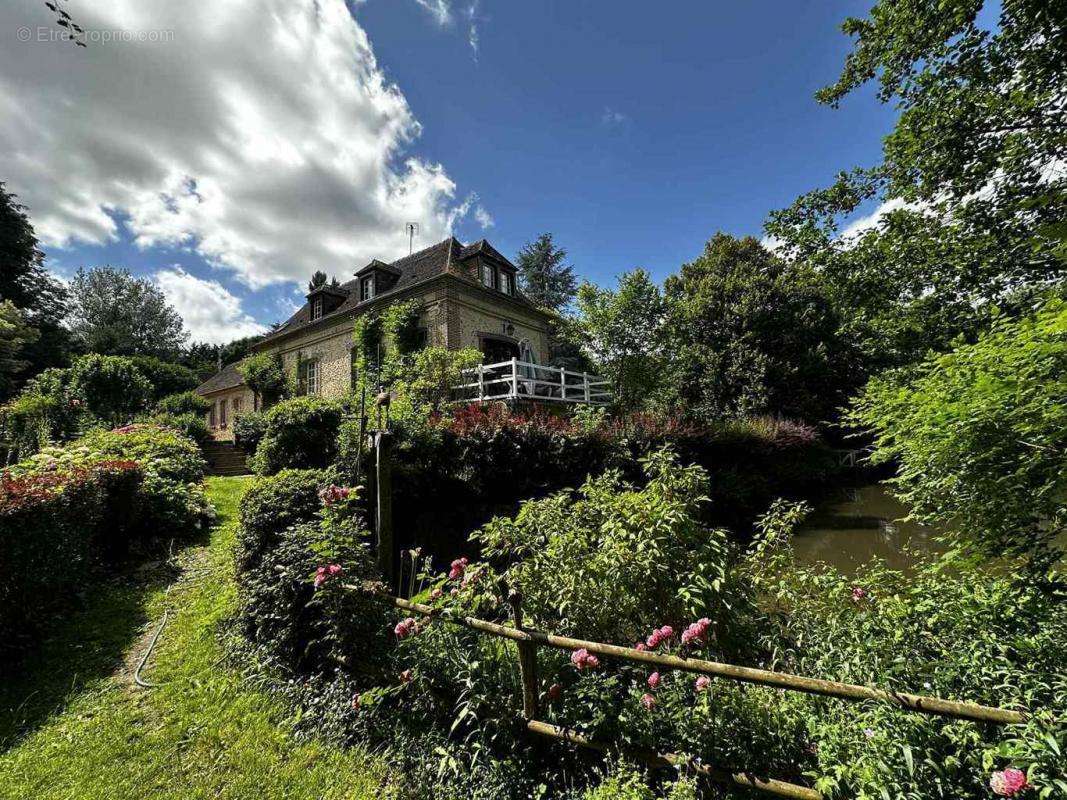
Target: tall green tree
<point>114,313</point>
<point>973,168</point>
<point>544,277</point>
<point>749,333</point>
<point>623,331</point>
<point>15,335</point>
<point>39,297</point>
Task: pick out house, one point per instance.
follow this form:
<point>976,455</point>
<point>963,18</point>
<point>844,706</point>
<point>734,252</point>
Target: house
<point>468,296</point>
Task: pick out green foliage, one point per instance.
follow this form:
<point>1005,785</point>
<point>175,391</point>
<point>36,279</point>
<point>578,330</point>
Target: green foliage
<point>979,433</point>
<point>627,782</point>
<point>400,325</point>
<point>114,313</point>
<point>188,402</point>
<point>55,528</point>
<point>750,334</point>
<point>193,426</point>
<point>166,378</point>
<point>15,335</point>
<point>263,374</point>
<point>300,433</point>
<point>623,330</point>
<point>618,560</point>
<point>436,370</point>
<point>544,278</point>
<point>273,504</point>
<point>969,173</point>
<point>112,388</point>
<point>248,430</point>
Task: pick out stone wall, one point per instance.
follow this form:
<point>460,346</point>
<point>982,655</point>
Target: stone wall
<point>332,349</point>
<point>237,400</point>
<point>472,312</point>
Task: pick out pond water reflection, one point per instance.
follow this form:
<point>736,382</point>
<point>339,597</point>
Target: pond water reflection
<point>864,523</point>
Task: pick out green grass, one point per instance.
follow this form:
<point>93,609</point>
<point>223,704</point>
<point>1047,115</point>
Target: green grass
<point>74,725</point>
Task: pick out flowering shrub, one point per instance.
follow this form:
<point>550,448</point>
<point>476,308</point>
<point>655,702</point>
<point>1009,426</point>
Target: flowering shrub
<point>57,528</point>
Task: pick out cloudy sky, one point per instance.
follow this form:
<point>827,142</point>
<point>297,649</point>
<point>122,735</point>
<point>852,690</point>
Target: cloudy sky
<point>227,149</point>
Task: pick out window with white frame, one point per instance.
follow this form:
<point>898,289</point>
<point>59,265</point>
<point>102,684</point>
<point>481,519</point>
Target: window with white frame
<point>316,308</point>
<point>509,283</point>
<point>311,376</point>
<point>366,288</point>
<point>222,414</point>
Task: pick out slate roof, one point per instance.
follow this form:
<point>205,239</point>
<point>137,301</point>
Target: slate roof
<point>227,378</point>
<point>412,269</point>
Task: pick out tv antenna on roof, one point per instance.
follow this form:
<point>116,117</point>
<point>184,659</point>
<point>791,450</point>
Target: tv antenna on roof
<point>412,228</point>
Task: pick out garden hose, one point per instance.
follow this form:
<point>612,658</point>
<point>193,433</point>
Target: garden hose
<point>147,653</point>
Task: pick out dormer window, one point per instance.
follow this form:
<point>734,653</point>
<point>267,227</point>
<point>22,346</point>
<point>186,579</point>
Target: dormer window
<point>366,288</point>
<point>488,276</point>
<point>509,283</point>
<point>316,309</point>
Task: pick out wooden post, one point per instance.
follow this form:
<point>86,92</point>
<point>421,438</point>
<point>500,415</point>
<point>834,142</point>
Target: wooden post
<point>514,377</point>
<point>585,385</point>
<point>527,660</point>
<point>384,492</point>
<point>481,383</point>
<point>563,383</point>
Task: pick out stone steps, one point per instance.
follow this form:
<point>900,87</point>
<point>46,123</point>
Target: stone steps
<point>224,458</point>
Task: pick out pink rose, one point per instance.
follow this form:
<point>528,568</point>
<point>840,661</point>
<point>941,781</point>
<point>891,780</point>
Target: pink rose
<point>459,566</point>
<point>703,682</point>
<point>406,676</point>
<point>323,574</point>
<point>582,659</point>
<point>654,680</point>
<point>404,628</point>
<point>648,701</point>
<point>1009,782</point>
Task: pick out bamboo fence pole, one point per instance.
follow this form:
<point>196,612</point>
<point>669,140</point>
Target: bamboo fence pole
<point>665,760</point>
<point>761,677</point>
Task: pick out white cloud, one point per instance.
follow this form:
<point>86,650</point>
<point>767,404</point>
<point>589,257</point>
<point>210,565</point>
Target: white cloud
<point>612,117</point>
<point>483,217</point>
<point>865,223</point>
<point>440,9</point>
<point>472,27</point>
<point>211,312</point>
<point>261,133</point>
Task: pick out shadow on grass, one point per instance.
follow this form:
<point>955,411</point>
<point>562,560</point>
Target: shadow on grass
<point>80,648</point>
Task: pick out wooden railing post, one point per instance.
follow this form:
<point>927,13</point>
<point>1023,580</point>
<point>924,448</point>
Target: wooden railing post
<point>384,492</point>
<point>514,377</point>
<point>527,660</point>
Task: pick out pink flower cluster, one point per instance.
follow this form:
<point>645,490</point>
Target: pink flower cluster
<point>654,680</point>
<point>406,627</point>
<point>697,631</point>
<point>323,574</point>
<point>406,676</point>
<point>648,701</point>
<point>703,682</point>
<point>1009,782</point>
<point>582,659</point>
<point>333,494</point>
<point>459,566</point>
<point>658,637</point>
<point>858,593</point>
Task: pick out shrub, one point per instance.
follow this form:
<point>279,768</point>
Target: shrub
<point>56,528</point>
<point>192,426</point>
<point>113,389</point>
<point>248,430</point>
<point>273,504</point>
<point>293,611</point>
<point>980,434</point>
<point>301,433</point>
<point>183,403</point>
<point>171,499</point>
<point>164,377</point>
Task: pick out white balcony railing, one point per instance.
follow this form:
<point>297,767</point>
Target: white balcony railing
<point>522,380</point>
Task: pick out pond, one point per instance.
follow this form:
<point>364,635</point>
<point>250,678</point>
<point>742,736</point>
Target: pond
<point>861,524</point>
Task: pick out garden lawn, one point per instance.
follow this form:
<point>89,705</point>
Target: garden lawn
<point>76,726</point>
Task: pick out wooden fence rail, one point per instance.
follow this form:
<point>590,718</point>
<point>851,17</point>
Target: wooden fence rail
<point>528,640</point>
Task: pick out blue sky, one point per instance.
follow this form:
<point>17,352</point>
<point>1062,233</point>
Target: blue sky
<point>231,160</point>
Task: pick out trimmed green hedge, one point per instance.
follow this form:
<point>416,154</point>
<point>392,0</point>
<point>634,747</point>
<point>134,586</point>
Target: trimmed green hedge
<point>300,433</point>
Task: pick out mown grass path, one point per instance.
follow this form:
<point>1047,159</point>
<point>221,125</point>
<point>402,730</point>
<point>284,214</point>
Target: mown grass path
<point>75,725</point>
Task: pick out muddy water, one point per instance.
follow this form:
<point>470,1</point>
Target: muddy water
<point>863,523</point>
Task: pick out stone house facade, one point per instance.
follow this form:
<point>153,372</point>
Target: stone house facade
<point>468,297</point>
